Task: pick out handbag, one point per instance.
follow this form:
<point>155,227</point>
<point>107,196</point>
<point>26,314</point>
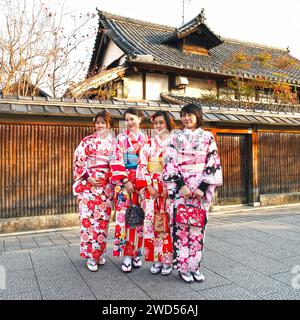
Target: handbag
<point>191,215</point>
<point>134,215</point>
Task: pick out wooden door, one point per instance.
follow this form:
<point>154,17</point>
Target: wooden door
<point>234,152</point>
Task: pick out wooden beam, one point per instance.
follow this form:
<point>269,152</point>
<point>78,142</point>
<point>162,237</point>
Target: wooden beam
<point>235,131</point>
<point>144,85</point>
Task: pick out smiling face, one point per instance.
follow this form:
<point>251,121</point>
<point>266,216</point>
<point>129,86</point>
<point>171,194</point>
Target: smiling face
<point>101,126</point>
<point>160,125</point>
<point>132,122</point>
<point>189,120</point>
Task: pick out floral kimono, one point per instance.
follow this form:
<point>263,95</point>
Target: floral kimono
<point>157,243</point>
<point>91,159</point>
<point>191,159</point>
<point>128,240</point>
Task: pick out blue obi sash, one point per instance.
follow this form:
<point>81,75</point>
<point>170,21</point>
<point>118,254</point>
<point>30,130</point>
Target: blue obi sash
<point>131,160</point>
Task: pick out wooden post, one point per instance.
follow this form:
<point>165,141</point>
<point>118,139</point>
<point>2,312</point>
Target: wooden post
<point>254,193</point>
<point>144,84</point>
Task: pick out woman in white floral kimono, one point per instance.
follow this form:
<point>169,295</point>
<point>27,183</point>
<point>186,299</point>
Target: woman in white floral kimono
<point>157,236</point>
<point>91,168</point>
<point>192,171</point>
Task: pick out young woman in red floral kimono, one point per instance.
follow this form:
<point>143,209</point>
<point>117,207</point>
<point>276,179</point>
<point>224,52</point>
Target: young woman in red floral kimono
<point>157,236</point>
<point>192,171</point>
<point>91,168</point>
<point>128,241</point>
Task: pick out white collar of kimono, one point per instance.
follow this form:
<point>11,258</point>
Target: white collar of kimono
<point>98,137</point>
<point>157,139</point>
<point>189,131</point>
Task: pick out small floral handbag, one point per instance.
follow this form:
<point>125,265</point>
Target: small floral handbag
<point>191,215</point>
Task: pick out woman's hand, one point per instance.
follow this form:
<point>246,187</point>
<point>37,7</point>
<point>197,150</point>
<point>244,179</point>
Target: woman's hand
<point>198,194</point>
<point>153,192</point>
<point>165,193</point>
<point>129,187</point>
<point>186,192</point>
<point>94,182</point>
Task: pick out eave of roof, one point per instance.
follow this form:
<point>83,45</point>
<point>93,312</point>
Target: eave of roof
<point>88,108</point>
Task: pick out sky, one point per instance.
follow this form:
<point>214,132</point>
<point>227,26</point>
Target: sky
<point>268,22</point>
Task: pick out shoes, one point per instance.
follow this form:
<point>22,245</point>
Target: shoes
<point>127,265</point>
<point>102,261</point>
<point>156,268</point>
<point>166,269</point>
<point>186,276</point>
<point>137,262</point>
<point>92,265</point>
<point>198,276</point>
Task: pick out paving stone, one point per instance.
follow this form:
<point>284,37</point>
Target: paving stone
<point>16,261</point>
<point>43,241</point>
<point>12,244</point>
<point>30,295</point>
<point>20,281</point>
<point>229,292</point>
<point>252,281</point>
<point>290,294</point>
<point>246,257</point>
<point>1,245</point>
<point>284,277</point>
<point>251,244</point>
<point>53,287</point>
<point>292,261</point>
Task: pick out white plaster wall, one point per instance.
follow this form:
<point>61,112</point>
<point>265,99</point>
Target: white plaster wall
<point>155,85</point>
<point>111,54</point>
<point>197,87</point>
<point>134,85</point>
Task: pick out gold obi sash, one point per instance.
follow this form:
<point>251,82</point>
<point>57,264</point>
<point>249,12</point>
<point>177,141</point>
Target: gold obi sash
<point>155,165</point>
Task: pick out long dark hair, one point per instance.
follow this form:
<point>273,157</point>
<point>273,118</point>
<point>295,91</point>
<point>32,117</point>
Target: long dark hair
<point>169,121</point>
<point>196,110</point>
<point>135,112</point>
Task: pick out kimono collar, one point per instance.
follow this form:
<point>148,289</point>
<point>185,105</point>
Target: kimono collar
<point>190,132</point>
<point>159,142</point>
<point>137,136</point>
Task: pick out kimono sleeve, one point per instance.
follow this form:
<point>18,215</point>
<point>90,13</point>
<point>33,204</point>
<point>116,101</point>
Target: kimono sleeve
<point>172,174</point>
<point>80,170</point>
<point>143,176</point>
<point>212,174</point>
<point>117,165</point>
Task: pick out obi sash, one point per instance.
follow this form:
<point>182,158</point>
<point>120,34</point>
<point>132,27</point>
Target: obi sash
<point>155,165</point>
<point>130,160</point>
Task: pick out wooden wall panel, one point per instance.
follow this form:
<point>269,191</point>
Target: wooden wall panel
<point>233,149</point>
<point>279,162</point>
<point>36,169</point>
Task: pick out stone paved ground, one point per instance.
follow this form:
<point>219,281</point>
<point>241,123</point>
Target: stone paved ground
<point>248,255</point>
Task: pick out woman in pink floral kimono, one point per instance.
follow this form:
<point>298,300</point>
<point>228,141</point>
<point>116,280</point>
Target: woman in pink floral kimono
<point>91,169</point>
<point>192,171</point>
<point>157,236</point>
<point>128,240</point>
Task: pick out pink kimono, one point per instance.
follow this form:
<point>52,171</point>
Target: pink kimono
<point>92,159</point>
<point>191,159</point>
<point>157,244</point>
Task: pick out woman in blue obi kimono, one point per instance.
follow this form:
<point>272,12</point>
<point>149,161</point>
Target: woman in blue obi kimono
<point>192,171</point>
<point>128,241</point>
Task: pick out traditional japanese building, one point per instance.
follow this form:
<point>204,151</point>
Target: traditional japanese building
<point>249,95</point>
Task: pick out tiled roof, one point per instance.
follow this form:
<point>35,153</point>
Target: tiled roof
<point>241,112</point>
<point>212,112</point>
<point>138,38</point>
